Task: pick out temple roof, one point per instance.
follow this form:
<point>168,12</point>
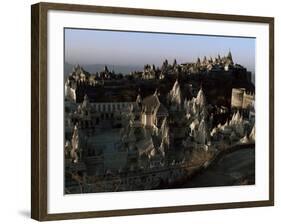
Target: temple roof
<point>151,103</point>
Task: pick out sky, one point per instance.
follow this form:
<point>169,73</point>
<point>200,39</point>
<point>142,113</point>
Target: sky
<point>85,46</point>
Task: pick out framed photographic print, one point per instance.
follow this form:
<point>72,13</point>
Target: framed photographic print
<point>139,111</point>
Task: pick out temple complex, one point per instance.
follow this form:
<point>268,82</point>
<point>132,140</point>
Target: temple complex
<point>157,134</point>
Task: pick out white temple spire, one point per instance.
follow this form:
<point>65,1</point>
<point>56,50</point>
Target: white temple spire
<point>175,95</point>
<point>200,98</point>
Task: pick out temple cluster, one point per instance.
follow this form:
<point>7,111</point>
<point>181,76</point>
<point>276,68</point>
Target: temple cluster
<point>218,66</point>
<point>146,136</point>
<point>156,127</point>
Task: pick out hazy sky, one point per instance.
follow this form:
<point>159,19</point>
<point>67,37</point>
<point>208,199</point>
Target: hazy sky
<point>138,48</point>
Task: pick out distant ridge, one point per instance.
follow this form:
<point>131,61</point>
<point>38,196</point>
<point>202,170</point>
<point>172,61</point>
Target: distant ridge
<point>93,68</point>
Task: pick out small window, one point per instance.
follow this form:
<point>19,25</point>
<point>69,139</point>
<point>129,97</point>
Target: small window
<point>97,121</point>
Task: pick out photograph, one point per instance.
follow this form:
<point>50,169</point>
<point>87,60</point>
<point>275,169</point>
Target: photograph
<point>155,111</point>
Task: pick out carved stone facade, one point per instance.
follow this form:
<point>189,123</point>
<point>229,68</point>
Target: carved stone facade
<point>240,99</point>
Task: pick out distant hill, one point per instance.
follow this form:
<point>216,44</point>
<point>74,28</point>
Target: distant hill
<point>93,68</point>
